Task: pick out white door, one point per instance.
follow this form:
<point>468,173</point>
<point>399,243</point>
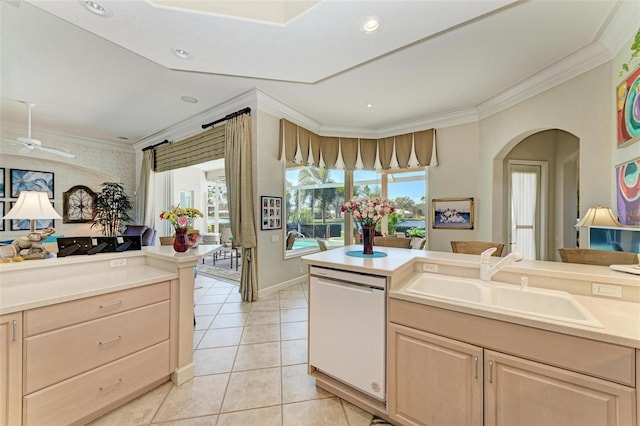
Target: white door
<point>528,209</point>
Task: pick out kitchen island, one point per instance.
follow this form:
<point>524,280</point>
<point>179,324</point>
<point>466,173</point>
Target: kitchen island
<point>485,354</point>
<point>82,335</point>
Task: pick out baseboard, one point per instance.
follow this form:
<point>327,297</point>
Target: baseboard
<point>281,286</point>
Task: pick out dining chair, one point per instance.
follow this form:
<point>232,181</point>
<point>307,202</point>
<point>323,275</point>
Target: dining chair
<point>476,247</point>
<point>598,257</point>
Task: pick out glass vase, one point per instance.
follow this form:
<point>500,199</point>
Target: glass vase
<point>368,232</point>
<point>181,241</point>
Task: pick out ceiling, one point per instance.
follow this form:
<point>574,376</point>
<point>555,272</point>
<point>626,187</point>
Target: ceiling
<point>116,77</point>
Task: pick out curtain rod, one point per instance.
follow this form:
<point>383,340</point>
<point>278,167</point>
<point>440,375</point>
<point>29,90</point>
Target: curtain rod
<point>156,145</point>
<point>228,117</point>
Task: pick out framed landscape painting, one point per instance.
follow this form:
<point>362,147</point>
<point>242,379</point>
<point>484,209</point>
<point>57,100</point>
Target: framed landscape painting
<point>452,213</point>
<point>31,180</point>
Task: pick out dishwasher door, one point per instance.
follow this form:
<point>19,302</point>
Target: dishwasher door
<point>347,333</point>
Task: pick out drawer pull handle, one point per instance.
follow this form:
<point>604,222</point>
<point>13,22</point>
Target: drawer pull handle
<point>110,340</point>
<point>475,359</point>
<point>490,371</point>
<point>14,331</point>
<point>108,305</point>
<point>117,382</point>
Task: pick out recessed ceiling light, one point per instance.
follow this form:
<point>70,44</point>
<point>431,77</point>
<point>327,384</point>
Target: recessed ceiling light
<point>95,7</point>
<point>189,99</point>
<point>371,24</point>
<point>369,105</point>
<point>181,53</point>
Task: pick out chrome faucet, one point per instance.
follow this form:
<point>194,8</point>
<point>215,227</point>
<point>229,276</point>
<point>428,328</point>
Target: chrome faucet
<point>488,270</point>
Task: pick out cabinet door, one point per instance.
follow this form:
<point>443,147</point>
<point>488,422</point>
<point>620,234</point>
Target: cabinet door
<point>521,392</point>
<point>11,369</point>
<point>433,380</point>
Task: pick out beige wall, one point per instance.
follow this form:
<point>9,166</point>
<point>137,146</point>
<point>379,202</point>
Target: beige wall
<point>94,164</point>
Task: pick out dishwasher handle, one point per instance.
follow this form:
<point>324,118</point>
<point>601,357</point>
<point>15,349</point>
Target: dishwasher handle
<point>356,287</point>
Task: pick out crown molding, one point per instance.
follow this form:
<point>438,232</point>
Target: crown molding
<point>570,67</point>
<point>193,125</point>
<point>10,130</point>
<point>622,26</point>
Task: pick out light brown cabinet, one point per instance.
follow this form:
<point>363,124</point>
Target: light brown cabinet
<point>527,393</point>
<point>94,354</point>
<point>11,369</point>
<point>433,380</point>
<point>545,379</point>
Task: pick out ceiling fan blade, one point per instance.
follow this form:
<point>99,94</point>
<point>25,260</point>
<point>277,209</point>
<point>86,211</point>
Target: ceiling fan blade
<point>57,151</point>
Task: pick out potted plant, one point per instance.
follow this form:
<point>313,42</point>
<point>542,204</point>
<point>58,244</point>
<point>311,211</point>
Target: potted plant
<point>112,209</point>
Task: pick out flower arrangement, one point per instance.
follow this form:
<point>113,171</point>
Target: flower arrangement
<point>179,217</point>
<point>368,210</point>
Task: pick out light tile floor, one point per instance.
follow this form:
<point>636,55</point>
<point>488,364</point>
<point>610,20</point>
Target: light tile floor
<point>250,368</point>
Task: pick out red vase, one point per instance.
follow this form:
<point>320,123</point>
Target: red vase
<point>368,232</point>
<point>181,241</point>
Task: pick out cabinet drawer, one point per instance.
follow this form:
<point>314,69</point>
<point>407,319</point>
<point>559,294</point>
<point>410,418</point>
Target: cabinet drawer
<point>51,317</point>
<point>74,399</point>
<point>599,359</point>
<point>60,354</point>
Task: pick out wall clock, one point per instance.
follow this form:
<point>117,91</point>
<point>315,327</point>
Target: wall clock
<point>79,205</point>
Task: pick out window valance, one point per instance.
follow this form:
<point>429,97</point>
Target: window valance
<point>300,146</point>
<point>206,146</point>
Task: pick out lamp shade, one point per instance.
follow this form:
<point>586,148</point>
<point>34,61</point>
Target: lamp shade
<point>32,205</point>
<point>598,216</point>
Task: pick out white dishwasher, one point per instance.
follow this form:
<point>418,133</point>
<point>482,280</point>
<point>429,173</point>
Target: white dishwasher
<point>347,317</point>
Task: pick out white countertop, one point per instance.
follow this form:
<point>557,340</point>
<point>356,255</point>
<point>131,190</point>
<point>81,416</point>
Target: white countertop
<point>621,320</point>
<point>35,283</point>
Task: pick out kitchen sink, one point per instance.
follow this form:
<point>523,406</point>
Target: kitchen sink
<point>551,304</point>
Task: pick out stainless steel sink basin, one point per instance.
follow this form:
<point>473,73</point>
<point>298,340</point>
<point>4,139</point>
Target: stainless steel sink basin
<point>551,304</point>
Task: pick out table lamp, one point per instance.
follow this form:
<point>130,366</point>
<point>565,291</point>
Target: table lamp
<point>32,205</point>
<point>598,216</point>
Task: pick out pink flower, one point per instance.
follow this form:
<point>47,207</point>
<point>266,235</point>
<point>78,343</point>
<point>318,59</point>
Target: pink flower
<point>182,220</point>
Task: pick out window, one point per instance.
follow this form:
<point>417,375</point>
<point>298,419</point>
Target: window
<point>314,197</point>
<point>312,205</point>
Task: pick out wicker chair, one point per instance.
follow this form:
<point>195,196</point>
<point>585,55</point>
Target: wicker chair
<point>476,247</point>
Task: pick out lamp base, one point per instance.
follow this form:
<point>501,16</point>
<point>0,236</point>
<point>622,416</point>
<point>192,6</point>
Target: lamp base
<point>31,246</point>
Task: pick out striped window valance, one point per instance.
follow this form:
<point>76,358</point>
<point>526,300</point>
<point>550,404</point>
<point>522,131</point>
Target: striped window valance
<point>205,146</point>
<point>300,146</point>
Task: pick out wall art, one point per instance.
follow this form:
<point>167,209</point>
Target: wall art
<point>31,180</point>
<point>628,192</point>
<point>1,215</point>
<point>628,110</point>
<point>271,213</point>
<point>2,193</point>
<point>452,213</point>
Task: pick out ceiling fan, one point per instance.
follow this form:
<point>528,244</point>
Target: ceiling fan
<point>29,144</point>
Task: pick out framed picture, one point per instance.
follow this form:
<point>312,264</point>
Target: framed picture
<point>271,213</point>
<point>452,213</point>
<point>78,205</point>
<point>25,224</point>
<point>627,101</point>
<point>628,192</point>
<point>2,193</point>
<point>2,212</point>
<point>31,180</point>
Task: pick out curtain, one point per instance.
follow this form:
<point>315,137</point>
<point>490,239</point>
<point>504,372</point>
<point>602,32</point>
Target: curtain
<point>144,196</point>
<point>300,146</point>
<point>523,207</point>
<point>238,170</point>
<point>205,146</point>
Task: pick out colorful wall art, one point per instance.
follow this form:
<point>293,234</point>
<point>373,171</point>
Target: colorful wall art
<point>628,110</point>
<point>628,192</point>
